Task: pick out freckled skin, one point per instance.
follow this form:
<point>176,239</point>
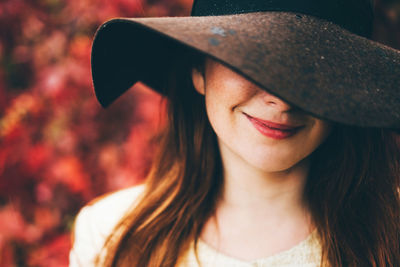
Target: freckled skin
<point>229,95</point>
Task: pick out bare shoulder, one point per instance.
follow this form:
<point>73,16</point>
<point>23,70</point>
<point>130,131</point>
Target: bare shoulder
<point>97,220</point>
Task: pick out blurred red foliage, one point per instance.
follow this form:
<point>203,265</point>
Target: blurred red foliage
<point>58,148</point>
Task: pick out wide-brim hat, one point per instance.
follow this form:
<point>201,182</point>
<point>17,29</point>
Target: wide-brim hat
<point>307,54</point>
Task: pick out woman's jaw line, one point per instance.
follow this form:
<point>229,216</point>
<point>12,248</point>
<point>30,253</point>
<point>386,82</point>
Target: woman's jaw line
<point>268,184</point>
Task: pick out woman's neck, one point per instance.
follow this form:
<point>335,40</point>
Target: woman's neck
<point>259,213</point>
<point>246,186</point>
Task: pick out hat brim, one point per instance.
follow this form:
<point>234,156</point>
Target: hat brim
<point>309,62</point>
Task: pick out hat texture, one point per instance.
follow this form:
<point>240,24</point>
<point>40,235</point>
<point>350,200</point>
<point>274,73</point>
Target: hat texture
<point>313,61</point>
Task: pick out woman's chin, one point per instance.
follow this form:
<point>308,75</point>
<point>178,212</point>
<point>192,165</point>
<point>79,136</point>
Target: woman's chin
<point>277,164</point>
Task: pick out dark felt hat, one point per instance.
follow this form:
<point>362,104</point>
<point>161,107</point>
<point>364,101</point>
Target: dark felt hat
<point>314,54</point>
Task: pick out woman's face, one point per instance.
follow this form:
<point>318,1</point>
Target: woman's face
<point>256,126</point>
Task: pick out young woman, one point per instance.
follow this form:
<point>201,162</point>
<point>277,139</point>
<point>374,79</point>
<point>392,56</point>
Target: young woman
<point>279,149</point>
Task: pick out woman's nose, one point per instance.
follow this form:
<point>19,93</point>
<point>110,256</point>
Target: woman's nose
<point>275,102</point>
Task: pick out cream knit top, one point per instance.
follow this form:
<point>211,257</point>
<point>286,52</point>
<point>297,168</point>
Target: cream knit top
<point>96,221</point>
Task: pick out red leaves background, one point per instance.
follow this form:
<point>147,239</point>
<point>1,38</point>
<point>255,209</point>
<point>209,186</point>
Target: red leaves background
<point>58,148</point>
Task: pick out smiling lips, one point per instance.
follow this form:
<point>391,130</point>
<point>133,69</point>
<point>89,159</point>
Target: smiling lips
<point>273,130</point>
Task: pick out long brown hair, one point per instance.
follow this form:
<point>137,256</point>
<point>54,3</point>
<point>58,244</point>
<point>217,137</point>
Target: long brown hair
<point>352,190</point>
